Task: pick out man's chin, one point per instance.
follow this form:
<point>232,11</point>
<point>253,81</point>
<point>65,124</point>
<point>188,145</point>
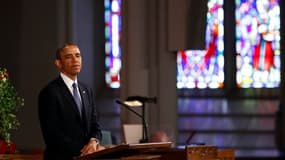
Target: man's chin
<point>76,70</point>
<point>75,73</point>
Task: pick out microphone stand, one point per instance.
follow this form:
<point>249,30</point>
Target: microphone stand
<point>190,138</point>
<point>144,138</point>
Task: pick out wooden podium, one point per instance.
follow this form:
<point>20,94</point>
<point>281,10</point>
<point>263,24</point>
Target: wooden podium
<point>160,151</point>
<point>153,151</point>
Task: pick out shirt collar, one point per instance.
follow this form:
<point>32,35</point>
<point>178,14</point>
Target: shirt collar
<point>67,80</point>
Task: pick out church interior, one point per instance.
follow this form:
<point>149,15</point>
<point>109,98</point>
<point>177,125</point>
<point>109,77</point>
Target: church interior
<point>210,72</point>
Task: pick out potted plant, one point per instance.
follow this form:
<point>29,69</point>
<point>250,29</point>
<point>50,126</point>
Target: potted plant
<point>10,102</point>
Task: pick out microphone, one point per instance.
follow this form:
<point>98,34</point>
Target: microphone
<point>142,99</point>
<point>145,134</point>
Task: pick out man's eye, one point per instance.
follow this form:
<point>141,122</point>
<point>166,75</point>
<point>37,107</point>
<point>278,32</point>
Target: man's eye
<point>67,57</point>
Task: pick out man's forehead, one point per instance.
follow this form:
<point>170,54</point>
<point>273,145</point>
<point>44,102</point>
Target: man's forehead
<point>71,49</point>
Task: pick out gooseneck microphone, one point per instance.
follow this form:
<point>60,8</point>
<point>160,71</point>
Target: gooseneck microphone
<point>145,126</point>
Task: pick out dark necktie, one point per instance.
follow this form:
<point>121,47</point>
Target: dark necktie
<point>77,98</point>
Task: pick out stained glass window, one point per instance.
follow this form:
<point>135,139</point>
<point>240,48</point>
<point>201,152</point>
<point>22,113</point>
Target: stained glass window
<point>258,43</point>
<point>112,42</point>
<point>205,68</point>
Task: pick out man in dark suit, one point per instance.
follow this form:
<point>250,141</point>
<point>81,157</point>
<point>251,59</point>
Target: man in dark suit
<point>67,111</point>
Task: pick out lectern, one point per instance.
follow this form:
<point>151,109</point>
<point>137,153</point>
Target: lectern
<point>127,150</point>
<point>160,151</point>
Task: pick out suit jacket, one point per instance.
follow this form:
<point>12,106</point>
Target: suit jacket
<point>65,132</point>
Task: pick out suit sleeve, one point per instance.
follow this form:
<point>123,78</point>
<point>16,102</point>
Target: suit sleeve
<point>95,129</point>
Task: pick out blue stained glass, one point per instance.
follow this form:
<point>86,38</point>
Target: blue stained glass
<point>107,33</point>
<point>107,16</point>
<point>107,4</point>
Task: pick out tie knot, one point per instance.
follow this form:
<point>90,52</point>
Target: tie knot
<point>74,85</point>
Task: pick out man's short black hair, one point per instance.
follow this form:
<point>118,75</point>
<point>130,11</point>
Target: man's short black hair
<point>60,49</point>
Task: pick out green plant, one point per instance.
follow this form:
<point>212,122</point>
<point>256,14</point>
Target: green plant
<point>10,102</point>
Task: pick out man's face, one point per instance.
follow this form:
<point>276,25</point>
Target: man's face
<point>70,61</point>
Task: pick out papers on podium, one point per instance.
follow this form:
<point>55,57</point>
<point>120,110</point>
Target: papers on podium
<point>132,133</point>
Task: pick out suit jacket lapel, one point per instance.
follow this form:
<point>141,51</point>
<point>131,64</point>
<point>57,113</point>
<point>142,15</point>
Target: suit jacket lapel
<point>85,102</point>
<point>68,96</point>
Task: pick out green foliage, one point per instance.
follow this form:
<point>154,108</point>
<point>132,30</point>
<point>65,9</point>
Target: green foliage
<point>10,102</point>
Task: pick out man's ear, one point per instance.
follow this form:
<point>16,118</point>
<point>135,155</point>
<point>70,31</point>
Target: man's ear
<point>57,63</point>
